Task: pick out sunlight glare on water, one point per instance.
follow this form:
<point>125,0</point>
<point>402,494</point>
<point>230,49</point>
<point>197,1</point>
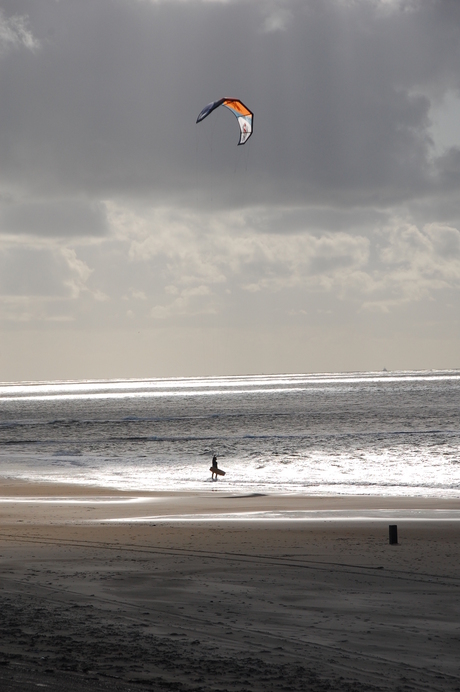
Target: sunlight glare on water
<point>359,433</point>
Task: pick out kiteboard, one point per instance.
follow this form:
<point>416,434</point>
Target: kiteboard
<point>218,471</point>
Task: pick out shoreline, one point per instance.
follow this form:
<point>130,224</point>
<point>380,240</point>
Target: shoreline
<point>43,503</point>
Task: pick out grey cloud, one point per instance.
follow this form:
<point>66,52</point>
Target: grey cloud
<point>15,33</point>
<point>53,217</point>
<point>341,96</point>
<point>33,272</point>
<point>277,19</point>
<point>449,169</point>
<point>446,241</point>
<point>315,219</point>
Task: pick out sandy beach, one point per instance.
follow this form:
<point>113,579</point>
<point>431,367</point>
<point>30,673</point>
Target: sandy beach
<point>102,589</point>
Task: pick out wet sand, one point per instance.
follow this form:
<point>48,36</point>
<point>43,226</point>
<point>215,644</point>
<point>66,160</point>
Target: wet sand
<point>105,590</point>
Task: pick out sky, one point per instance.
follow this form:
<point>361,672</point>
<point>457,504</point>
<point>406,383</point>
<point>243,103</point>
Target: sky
<point>137,243</point>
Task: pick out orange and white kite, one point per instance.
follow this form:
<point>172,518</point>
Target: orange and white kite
<point>237,107</point>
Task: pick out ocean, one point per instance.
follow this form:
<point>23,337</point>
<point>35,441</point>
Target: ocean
<point>395,433</point>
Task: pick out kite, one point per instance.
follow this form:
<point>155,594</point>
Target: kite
<point>243,115</point>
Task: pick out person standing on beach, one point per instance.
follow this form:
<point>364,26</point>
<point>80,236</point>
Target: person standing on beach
<point>214,466</point>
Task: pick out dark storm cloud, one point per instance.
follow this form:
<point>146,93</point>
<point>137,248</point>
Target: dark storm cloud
<point>341,93</point>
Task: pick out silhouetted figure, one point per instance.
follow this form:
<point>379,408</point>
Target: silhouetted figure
<point>214,466</point>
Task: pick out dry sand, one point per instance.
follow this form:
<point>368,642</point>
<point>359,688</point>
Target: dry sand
<point>103,590</point>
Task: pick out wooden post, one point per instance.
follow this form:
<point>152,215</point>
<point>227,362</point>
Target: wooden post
<point>393,534</point>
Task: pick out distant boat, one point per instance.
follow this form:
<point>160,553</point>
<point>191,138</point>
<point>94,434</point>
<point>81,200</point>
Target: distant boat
<point>384,370</point>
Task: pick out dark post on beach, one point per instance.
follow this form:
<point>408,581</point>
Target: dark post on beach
<point>393,534</point>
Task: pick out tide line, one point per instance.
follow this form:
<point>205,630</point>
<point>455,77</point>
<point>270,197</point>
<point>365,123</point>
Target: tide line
<point>299,515</point>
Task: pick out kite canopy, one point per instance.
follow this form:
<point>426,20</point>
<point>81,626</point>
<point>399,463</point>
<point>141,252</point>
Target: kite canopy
<point>243,115</point>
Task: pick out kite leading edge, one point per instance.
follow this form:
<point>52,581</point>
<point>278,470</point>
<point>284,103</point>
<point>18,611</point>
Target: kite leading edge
<point>237,107</point>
